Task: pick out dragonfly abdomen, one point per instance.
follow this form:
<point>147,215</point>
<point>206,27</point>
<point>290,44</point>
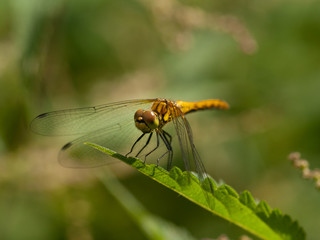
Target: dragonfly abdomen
<point>188,107</point>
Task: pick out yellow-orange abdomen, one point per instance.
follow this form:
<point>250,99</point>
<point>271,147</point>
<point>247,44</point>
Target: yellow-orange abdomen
<point>187,107</point>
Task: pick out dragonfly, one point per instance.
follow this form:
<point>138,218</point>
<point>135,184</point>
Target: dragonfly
<point>139,122</point>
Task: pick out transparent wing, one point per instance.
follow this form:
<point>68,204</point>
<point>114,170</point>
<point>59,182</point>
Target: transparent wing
<point>119,138</point>
<point>190,155</point>
<point>111,125</point>
<point>86,120</point>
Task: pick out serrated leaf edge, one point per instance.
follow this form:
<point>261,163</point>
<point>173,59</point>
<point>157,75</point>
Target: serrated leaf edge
<point>262,210</point>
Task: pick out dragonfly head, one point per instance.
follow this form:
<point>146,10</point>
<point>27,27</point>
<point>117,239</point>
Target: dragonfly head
<point>146,121</point>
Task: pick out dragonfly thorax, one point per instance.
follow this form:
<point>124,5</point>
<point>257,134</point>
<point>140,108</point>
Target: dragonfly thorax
<point>146,121</point>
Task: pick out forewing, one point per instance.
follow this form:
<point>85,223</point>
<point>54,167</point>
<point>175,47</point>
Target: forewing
<point>86,120</point>
<point>111,125</point>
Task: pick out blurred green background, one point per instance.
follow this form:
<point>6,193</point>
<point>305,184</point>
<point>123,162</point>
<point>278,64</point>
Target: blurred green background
<point>261,57</point>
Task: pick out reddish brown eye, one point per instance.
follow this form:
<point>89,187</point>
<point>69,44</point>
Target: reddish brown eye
<point>146,121</point>
<point>149,116</point>
<point>138,114</point>
<point>151,119</point>
<point>139,121</point>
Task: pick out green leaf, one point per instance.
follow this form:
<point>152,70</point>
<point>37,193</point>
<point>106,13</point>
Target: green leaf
<point>258,219</point>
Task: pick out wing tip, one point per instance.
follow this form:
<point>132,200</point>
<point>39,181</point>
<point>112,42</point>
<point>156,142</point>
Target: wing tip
<point>42,115</point>
<point>34,125</point>
<point>66,146</point>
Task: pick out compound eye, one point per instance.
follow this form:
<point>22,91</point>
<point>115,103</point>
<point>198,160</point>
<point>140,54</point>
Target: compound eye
<point>151,119</point>
<point>138,114</point>
<point>140,123</point>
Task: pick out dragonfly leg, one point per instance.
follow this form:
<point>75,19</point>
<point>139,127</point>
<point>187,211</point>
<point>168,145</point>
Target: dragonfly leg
<point>169,147</point>
<point>145,157</point>
<point>135,144</point>
<point>168,135</point>
<point>149,138</point>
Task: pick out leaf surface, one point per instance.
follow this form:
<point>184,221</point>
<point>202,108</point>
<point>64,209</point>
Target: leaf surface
<point>242,210</point>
